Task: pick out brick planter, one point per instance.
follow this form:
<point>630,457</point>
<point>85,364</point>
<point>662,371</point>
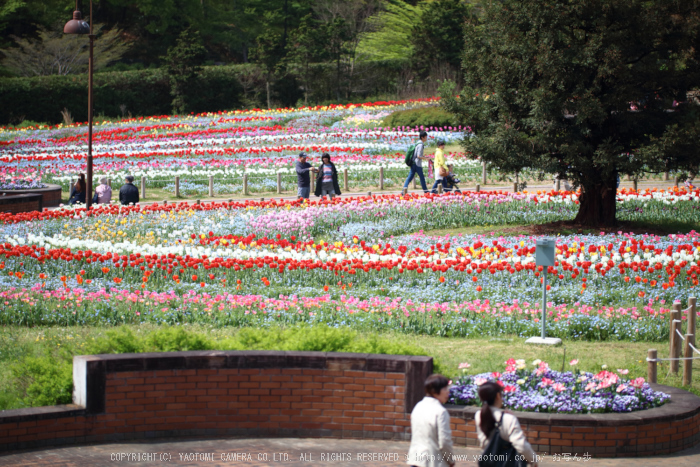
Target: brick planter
<point>51,196</point>
<point>304,394</point>
<point>14,204</point>
<point>670,428</point>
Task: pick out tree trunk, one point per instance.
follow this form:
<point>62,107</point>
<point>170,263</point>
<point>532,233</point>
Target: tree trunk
<point>597,204</point>
<point>267,88</point>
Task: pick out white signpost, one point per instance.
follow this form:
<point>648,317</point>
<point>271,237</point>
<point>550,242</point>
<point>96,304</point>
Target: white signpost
<point>544,256</point>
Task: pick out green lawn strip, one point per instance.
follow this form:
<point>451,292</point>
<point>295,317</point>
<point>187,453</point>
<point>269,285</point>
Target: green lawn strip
<point>35,362</point>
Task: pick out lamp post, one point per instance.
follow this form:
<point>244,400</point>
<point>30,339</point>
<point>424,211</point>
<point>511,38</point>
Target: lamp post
<point>78,26</point>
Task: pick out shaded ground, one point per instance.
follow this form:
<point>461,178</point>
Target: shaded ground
<point>287,452</point>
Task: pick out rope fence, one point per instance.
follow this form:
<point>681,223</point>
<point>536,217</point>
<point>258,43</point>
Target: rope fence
<point>678,342</point>
<point>381,177</point>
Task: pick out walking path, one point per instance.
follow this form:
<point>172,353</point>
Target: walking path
<point>292,196</point>
<point>291,452</point>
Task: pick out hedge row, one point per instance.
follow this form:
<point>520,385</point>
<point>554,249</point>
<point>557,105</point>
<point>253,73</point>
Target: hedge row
<point>426,116</point>
<point>143,92</point>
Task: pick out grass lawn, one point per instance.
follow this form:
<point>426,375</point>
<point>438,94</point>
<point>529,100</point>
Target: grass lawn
<point>17,344</point>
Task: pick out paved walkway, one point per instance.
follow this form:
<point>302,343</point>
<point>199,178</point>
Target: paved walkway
<point>287,452</point>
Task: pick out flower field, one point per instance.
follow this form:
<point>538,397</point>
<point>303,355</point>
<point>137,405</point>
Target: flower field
<point>225,145</point>
<point>547,390</point>
<point>352,262</point>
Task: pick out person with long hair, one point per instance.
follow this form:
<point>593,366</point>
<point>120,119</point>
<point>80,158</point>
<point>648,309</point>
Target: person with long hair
<point>77,191</point>
<point>431,436</point>
<point>492,417</point>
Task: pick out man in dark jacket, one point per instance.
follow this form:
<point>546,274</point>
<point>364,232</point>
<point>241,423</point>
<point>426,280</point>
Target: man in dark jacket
<point>327,178</point>
<point>129,194</point>
<point>303,178</point>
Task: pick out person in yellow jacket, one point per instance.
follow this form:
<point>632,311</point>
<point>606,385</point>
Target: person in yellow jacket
<point>440,163</point>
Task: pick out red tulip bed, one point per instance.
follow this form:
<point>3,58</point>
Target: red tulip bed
<point>352,262</point>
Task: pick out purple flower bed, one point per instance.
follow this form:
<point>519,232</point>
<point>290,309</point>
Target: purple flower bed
<point>546,390</point>
<point>22,185</point>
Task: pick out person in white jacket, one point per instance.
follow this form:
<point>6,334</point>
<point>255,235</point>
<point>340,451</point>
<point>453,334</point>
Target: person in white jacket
<point>431,436</point>
<point>509,427</point>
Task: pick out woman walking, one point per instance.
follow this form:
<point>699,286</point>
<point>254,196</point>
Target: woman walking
<point>491,417</point>
<point>441,169</point>
<point>431,436</point>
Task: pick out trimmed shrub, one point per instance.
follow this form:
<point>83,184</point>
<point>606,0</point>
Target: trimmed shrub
<point>48,379</point>
<point>142,92</point>
<point>426,116</point>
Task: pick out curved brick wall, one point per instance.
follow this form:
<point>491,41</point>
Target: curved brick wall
<point>304,394</point>
<point>51,196</point>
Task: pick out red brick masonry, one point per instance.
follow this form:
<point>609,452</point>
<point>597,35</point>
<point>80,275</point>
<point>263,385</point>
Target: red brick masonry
<point>15,204</point>
<point>50,196</point>
<point>304,394</point>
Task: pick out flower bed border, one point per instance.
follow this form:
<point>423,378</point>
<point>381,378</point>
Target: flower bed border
<point>51,195</point>
<point>661,430</point>
<point>306,394</point>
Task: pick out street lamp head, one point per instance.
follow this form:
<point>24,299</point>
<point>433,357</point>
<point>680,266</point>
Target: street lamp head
<point>76,25</point>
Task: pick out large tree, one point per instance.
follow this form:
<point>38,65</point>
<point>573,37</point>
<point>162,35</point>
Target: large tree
<point>589,89</point>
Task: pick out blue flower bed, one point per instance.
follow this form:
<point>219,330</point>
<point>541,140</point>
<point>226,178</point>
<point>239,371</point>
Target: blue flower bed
<point>22,185</point>
<point>546,390</point>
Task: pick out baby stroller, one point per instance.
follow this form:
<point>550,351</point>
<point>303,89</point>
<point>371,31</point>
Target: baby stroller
<point>451,181</point>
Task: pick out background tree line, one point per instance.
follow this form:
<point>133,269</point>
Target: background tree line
<point>284,52</point>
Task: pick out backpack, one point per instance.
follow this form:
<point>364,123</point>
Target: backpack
<point>409,155</point>
<point>499,452</point>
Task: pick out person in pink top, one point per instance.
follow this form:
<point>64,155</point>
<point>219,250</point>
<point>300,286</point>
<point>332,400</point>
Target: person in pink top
<point>103,193</point>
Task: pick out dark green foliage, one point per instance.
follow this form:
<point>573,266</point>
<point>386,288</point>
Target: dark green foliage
<point>426,116</point>
<point>438,38</point>
<point>144,92</point>
<point>183,63</point>
<point>583,88</point>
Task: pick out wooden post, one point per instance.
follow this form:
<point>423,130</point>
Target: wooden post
<point>262,200</point>
<point>279,183</point>
<point>634,184</point>
<point>177,187</point>
<point>515,187</point>
<point>688,364</point>
<point>651,366</point>
<point>676,312</point>
<point>345,179</point>
<point>440,188</point>
<point>675,346</point>
<point>211,186</point>
<point>369,193</point>
<point>692,314</point>
<point>478,188</point>
<point>165,202</point>
<point>381,178</point>
<point>143,187</point>
<point>245,184</point>
<point>483,172</point>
